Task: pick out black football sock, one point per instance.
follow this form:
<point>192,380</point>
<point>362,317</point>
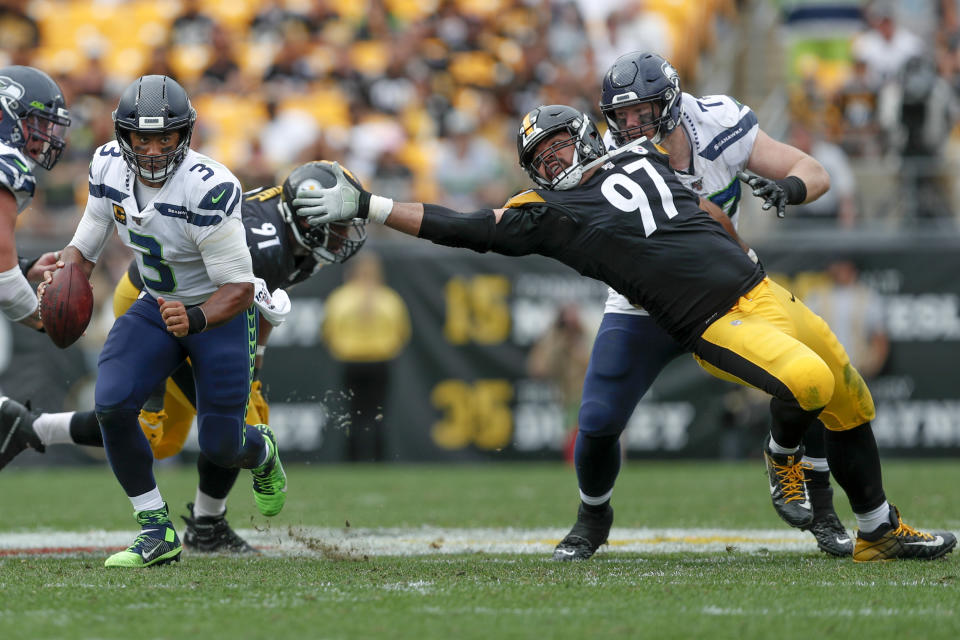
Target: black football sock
<point>215,481</point>
<point>155,402</point>
<point>818,478</point>
<point>85,429</point>
<point>855,464</point>
<point>789,422</point>
<point>597,460</point>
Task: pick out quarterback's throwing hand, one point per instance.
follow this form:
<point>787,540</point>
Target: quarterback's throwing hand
<point>772,193</point>
<point>328,204</point>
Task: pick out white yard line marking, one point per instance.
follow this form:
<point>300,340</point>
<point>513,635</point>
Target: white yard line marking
<point>430,541</point>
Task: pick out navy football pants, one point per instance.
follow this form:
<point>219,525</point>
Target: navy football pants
<point>139,354</point>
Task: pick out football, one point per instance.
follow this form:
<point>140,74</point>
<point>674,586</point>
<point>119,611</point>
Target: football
<point>66,306</point>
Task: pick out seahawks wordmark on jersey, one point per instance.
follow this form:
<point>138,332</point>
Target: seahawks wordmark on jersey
<point>722,133</point>
<point>166,232</point>
<point>635,227</point>
<point>272,253</point>
<point>16,175</point>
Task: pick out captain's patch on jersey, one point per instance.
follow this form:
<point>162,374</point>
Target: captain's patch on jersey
<point>119,214</point>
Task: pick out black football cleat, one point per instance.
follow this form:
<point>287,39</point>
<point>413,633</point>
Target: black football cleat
<point>16,430</point>
<point>832,537</point>
<point>212,534</point>
<point>788,491</point>
<point>586,536</point>
<point>895,540</point>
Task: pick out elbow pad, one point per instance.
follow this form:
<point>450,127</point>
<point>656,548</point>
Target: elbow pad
<point>454,229</point>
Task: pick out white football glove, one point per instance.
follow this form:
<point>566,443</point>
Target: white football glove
<point>333,204</point>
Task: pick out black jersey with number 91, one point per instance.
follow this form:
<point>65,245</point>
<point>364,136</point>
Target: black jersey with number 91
<point>634,226</point>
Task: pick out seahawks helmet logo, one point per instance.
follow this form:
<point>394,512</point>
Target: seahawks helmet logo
<point>11,92</point>
<point>11,89</point>
<point>670,73</point>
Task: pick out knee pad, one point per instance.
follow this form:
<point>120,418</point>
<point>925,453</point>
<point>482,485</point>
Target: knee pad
<point>601,419</point>
<point>810,381</point>
<point>221,438</point>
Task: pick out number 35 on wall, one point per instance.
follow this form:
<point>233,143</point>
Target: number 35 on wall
<point>473,414</point>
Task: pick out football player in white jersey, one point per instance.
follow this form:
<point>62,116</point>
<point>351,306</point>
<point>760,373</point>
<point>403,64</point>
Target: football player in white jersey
<point>709,140</point>
<point>179,212</point>
<point>33,123</point>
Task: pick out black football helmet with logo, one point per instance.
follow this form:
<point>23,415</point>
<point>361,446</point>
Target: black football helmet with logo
<point>34,114</point>
<point>153,104</point>
<point>580,132</point>
<point>328,242</point>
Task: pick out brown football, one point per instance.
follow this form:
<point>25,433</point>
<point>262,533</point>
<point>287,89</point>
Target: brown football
<point>67,305</point>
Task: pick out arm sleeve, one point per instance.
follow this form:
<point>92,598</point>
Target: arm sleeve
<point>454,229</point>
<point>225,253</point>
<point>92,233</point>
<point>516,234</point>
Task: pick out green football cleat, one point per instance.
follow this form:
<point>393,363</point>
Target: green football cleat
<point>269,479</point>
<point>157,543</point>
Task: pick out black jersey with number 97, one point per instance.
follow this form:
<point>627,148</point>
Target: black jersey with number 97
<point>634,226</point>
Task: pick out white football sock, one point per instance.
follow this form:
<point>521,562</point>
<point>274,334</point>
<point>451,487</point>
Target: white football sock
<point>54,428</point>
<point>819,464</point>
<point>592,501</point>
<point>776,448</point>
<point>147,501</point>
<point>204,505</point>
<point>870,520</point>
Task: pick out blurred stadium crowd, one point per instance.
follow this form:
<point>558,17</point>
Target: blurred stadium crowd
<point>421,97</point>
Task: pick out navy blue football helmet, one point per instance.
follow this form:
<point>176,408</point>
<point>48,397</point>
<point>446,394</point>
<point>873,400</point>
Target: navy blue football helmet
<point>34,114</point>
<point>544,122</point>
<point>153,104</point>
<point>636,78</point>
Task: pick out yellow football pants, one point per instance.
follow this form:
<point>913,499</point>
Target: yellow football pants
<point>167,439</point>
<point>771,341</point>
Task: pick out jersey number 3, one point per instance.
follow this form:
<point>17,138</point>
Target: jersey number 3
<point>628,195</point>
<point>153,258</point>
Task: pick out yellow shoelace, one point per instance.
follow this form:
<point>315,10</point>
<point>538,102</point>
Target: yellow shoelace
<point>906,530</point>
<point>791,476</point>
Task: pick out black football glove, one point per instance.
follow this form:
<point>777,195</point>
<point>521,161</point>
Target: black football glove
<point>772,193</point>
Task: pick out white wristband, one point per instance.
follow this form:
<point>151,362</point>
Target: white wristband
<point>379,209</point>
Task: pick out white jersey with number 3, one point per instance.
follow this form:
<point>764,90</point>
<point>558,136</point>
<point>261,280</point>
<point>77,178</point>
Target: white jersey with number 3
<point>166,233</point>
<point>722,133</point>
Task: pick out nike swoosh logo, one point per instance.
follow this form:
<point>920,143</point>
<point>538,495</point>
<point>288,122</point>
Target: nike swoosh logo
<point>936,542</point>
<point>149,554</point>
<point>566,552</point>
<point>806,505</point>
<point>217,199</point>
<point>22,166</point>
<point>842,540</point>
<point>773,489</point>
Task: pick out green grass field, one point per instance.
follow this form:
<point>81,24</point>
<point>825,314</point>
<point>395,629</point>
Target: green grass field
<point>327,593</point>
